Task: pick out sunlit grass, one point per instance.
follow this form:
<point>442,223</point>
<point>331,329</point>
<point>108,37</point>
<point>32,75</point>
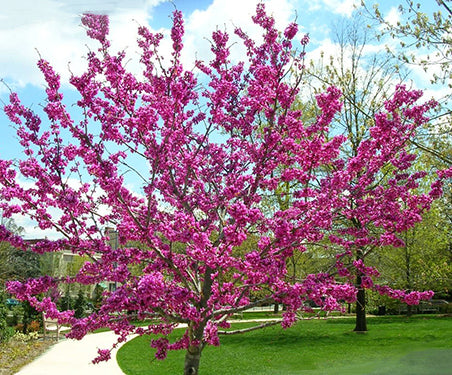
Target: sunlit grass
<point>393,345</point>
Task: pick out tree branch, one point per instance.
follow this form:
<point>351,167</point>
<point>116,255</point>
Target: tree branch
<point>254,328</point>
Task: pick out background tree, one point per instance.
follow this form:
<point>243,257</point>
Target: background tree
<point>205,157</point>
<point>366,79</point>
<point>5,331</point>
<point>16,264</point>
<point>425,259</point>
<point>80,304</point>
<point>418,29</point>
<point>423,40</point>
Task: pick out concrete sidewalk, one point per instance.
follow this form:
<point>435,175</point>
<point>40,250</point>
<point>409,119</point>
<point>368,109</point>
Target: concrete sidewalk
<point>72,357</point>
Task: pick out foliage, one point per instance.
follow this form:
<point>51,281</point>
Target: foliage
<point>205,151</point>
<point>5,331</point>
<point>424,261</point>
<point>417,30</point>
<point>423,40</point>
<point>67,301</point>
<point>16,264</point>
<point>97,296</point>
<point>30,315</point>
<point>80,304</point>
<point>19,336</point>
<point>15,316</point>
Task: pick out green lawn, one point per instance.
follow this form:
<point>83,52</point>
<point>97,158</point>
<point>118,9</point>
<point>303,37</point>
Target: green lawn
<point>420,345</point>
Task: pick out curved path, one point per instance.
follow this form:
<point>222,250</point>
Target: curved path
<point>72,357</point>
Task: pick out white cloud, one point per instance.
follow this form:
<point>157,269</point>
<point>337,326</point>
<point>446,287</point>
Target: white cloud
<point>342,7</point>
<point>422,80</point>
<point>53,28</point>
<point>393,16</point>
<point>31,226</point>
<point>226,15</point>
<point>367,73</point>
<point>325,50</point>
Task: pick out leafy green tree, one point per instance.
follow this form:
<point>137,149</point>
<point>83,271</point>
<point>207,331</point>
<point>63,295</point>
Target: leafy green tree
<point>421,31</point>
<point>5,331</point>
<point>16,264</point>
<point>67,301</point>
<point>80,304</point>
<point>424,262</point>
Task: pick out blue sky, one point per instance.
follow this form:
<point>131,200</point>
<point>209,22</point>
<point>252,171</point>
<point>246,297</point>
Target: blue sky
<point>52,27</point>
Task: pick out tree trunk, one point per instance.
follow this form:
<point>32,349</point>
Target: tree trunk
<point>192,359</point>
<point>361,320</point>
<point>409,310</point>
<point>276,308</point>
<point>408,286</point>
<point>196,331</point>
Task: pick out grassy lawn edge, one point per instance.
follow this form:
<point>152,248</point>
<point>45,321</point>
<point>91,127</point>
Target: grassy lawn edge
<point>397,345</point>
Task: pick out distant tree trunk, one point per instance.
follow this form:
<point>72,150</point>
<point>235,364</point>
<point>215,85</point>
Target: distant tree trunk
<point>361,320</point>
<point>408,285</point>
<point>276,308</point>
<point>409,310</point>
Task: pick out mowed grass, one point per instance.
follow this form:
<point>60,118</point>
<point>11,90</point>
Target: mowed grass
<point>420,345</point>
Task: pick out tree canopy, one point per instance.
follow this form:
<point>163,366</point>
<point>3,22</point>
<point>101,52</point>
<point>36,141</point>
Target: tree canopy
<point>206,149</point>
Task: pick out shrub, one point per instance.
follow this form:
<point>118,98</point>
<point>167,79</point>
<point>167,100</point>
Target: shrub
<point>80,304</point>
<point>66,302</point>
<point>19,336</point>
<point>34,326</point>
<point>5,331</point>
<point>13,319</point>
<point>30,314</point>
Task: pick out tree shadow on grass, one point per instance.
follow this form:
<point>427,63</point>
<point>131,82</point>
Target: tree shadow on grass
<point>419,362</point>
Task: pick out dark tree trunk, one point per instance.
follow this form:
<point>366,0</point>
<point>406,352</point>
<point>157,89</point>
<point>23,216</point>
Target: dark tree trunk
<point>192,359</point>
<point>276,308</point>
<point>408,286</point>
<point>361,320</point>
<point>409,310</point>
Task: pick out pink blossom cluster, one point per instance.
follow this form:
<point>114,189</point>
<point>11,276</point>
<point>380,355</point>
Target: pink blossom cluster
<point>97,26</point>
<point>209,148</point>
<point>410,298</point>
<point>369,271</point>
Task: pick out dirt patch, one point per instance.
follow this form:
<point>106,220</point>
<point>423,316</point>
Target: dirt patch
<point>16,354</point>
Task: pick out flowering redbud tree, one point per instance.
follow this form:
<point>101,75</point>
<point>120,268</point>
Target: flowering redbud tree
<point>206,149</point>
